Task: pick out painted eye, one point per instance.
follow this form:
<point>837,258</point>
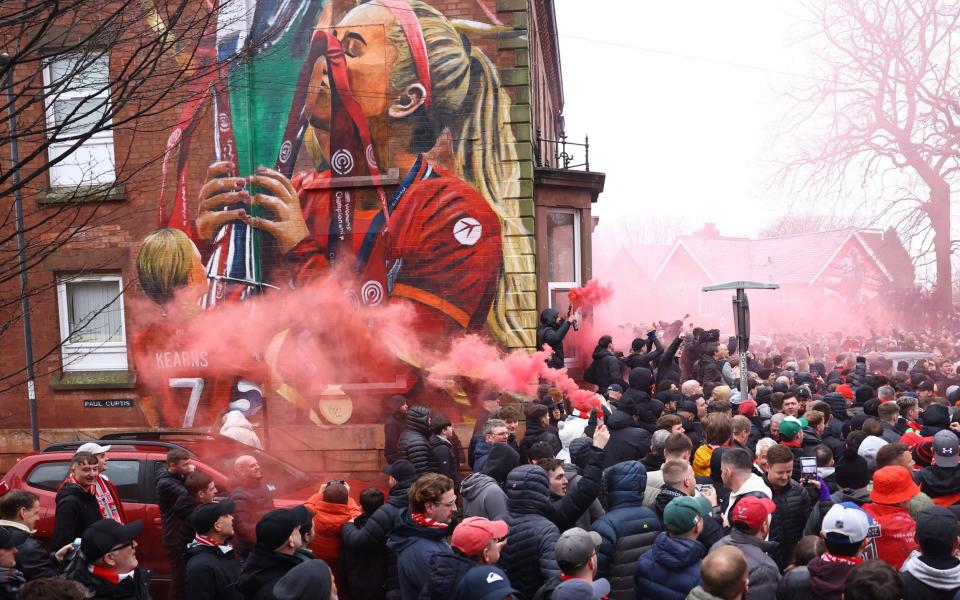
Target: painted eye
<point>353,48</point>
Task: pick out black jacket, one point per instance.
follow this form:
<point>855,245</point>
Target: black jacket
<point>443,459</point>
<point>580,494</point>
<point>628,441</point>
<point>537,433</point>
<point>132,588</point>
<point>365,544</point>
<point>552,335</point>
<point>794,504</point>
<point>667,366</point>
<point>32,558</point>
<point>446,571</point>
<point>211,574</point>
<point>606,369</point>
<point>170,488</point>
<point>394,426</point>
<point>414,442</point>
<point>712,529</point>
<point>628,529</point>
<point>528,557</point>
<point>708,370</point>
<point>939,481</point>
<point>77,509</point>
<point>262,571</point>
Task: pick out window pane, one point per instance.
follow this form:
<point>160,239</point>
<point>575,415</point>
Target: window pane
<point>79,72</point>
<point>79,115</point>
<point>48,475</point>
<point>125,474</point>
<point>560,300</point>
<point>94,311</point>
<point>561,247</point>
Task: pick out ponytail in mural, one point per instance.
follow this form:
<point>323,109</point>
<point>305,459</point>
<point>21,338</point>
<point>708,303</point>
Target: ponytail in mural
<point>469,102</point>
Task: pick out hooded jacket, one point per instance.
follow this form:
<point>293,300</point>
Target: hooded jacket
<point>414,444</point>
<point>606,369</point>
<point>580,495</point>
<point>528,557</point>
<point>369,539</point>
<point>698,593</point>
<point>636,399</point>
<point>237,427</point>
<point>940,481</point>
<point>481,492</point>
<point>712,529</point>
<point>170,488</point>
<point>762,571</point>
<point>815,520</point>
<point>627,530</point>
<point>628,441</point>
<point>76,510</point>
<point>669,570</point>
<point>930,577</point>
<point>328,519</point>
<point>754,486</point>
<point>414,545</point>
<point>212,573</point>
<point>264,567</point>
<point>552,335</point>
<point>443,458</point>
<point>536,432</point>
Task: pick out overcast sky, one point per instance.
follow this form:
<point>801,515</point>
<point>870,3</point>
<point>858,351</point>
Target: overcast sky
<point>676,125</point>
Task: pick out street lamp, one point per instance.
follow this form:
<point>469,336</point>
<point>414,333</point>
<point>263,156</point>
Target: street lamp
<point>5,62</point>
<point>741,319</point>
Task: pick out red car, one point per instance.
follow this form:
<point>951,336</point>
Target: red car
<point>136,459</point>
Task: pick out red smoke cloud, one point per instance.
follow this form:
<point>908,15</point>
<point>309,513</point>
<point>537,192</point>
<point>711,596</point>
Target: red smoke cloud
<point>590,295</point>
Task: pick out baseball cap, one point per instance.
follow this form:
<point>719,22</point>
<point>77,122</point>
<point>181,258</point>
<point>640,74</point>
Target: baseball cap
<point>945,446</point>
<point>748,408</point>
<point>615,387</point>
<point>937,530</point>
<point>802,392</point>
<point>846,522</point>
<point>276,526</point>
<point>575,547</point>
<point>473,534</point>
<point>93,448</point>
<point>790,427</point>
<point>578,589</point>
<point>893,484</point>
<point>205,515</point>
<point>483,582</point>
<point>11,538</point>
<point>401,470</point>
<point>924,386</point>
<point>752,512</point>
<point>680,515</point>
<point>689,406</point>
<point>105,535</point>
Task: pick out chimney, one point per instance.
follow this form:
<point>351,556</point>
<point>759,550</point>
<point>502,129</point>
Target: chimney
<point>709,231</point>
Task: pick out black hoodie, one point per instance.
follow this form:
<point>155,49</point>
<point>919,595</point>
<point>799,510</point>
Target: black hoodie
<point>262,571</point>
<point>606,368</point>
<point>76,510</point>
<point>628,441</point>
<point>940,481</point>
<point>552,335</point>
<point>636,399</point>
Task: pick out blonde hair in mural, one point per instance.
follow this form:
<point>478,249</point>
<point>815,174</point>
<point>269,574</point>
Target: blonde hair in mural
<point>164,263</point>
<point>469,102</point>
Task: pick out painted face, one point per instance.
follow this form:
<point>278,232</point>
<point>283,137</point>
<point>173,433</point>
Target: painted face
<point>370,58</point>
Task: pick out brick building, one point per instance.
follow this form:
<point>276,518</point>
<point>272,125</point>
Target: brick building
<point>490,122</point>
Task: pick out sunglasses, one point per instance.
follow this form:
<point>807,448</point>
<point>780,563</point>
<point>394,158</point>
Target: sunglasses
<point>121,547</point>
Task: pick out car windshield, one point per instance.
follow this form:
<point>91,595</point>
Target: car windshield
<point>281,476</point>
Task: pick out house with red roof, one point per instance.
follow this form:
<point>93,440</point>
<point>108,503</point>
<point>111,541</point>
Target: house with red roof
<point>821,275</point>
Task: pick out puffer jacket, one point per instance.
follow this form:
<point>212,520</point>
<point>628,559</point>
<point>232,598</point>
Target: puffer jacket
<point>712,529</point>
<point>551,334</point>
<point>815,520</point>
<point>414,444</point>
<point>528,557</point>
<point>446,571</point>
<point>794,503</point>
<point>637,398</point>
<point>762,571</point>
<point>627,530</point>
<point>170,488</point>
<point>371,538</point>
<point>669,570</point>
<point>580,495</point>
<point>838,405</point>
<point>414,545</point>
<point>538,433</point>
<point>628,441</point>
<point>606,369</point>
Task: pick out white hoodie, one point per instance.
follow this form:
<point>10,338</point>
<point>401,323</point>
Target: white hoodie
<point>237,427</point>
<point>754,483</point>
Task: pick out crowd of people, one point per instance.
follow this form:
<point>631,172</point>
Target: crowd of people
<point>831,480</point>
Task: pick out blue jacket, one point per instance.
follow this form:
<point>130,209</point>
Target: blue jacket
<point>528,558</point>
<point>415,545</point>
<point>669,570</point>
<point>628,529</point>
<point>480,453</point>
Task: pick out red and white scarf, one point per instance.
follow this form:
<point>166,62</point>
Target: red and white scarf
<point>105,500</point>
<point>425,521</point>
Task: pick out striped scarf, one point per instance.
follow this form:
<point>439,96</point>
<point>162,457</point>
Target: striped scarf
<point>105,500</point>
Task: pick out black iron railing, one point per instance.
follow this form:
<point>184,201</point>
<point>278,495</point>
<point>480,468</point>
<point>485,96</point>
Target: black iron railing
<point>557,154</point>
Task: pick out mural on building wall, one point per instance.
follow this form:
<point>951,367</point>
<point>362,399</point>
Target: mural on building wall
<point>362,146</point>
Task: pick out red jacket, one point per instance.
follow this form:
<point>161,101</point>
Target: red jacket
<point>328,519</point>
<point>897,531</point>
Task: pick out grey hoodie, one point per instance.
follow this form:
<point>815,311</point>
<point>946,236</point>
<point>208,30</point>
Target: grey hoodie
<point>940,579</point>
<point>698,593</point>
<point>483,497</point>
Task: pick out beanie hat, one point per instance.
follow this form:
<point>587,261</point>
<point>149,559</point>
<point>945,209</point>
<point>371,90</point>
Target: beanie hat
<point>868,449</point>
<point>748,408</point>
<point>936,415</point>
<point>851,470</point>
<point>923,453</point>
<point>762,394</point>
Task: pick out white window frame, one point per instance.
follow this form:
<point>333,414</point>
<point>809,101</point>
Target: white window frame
<point>73,170</point>
<point>577,266</point>
<point>91,356</point>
